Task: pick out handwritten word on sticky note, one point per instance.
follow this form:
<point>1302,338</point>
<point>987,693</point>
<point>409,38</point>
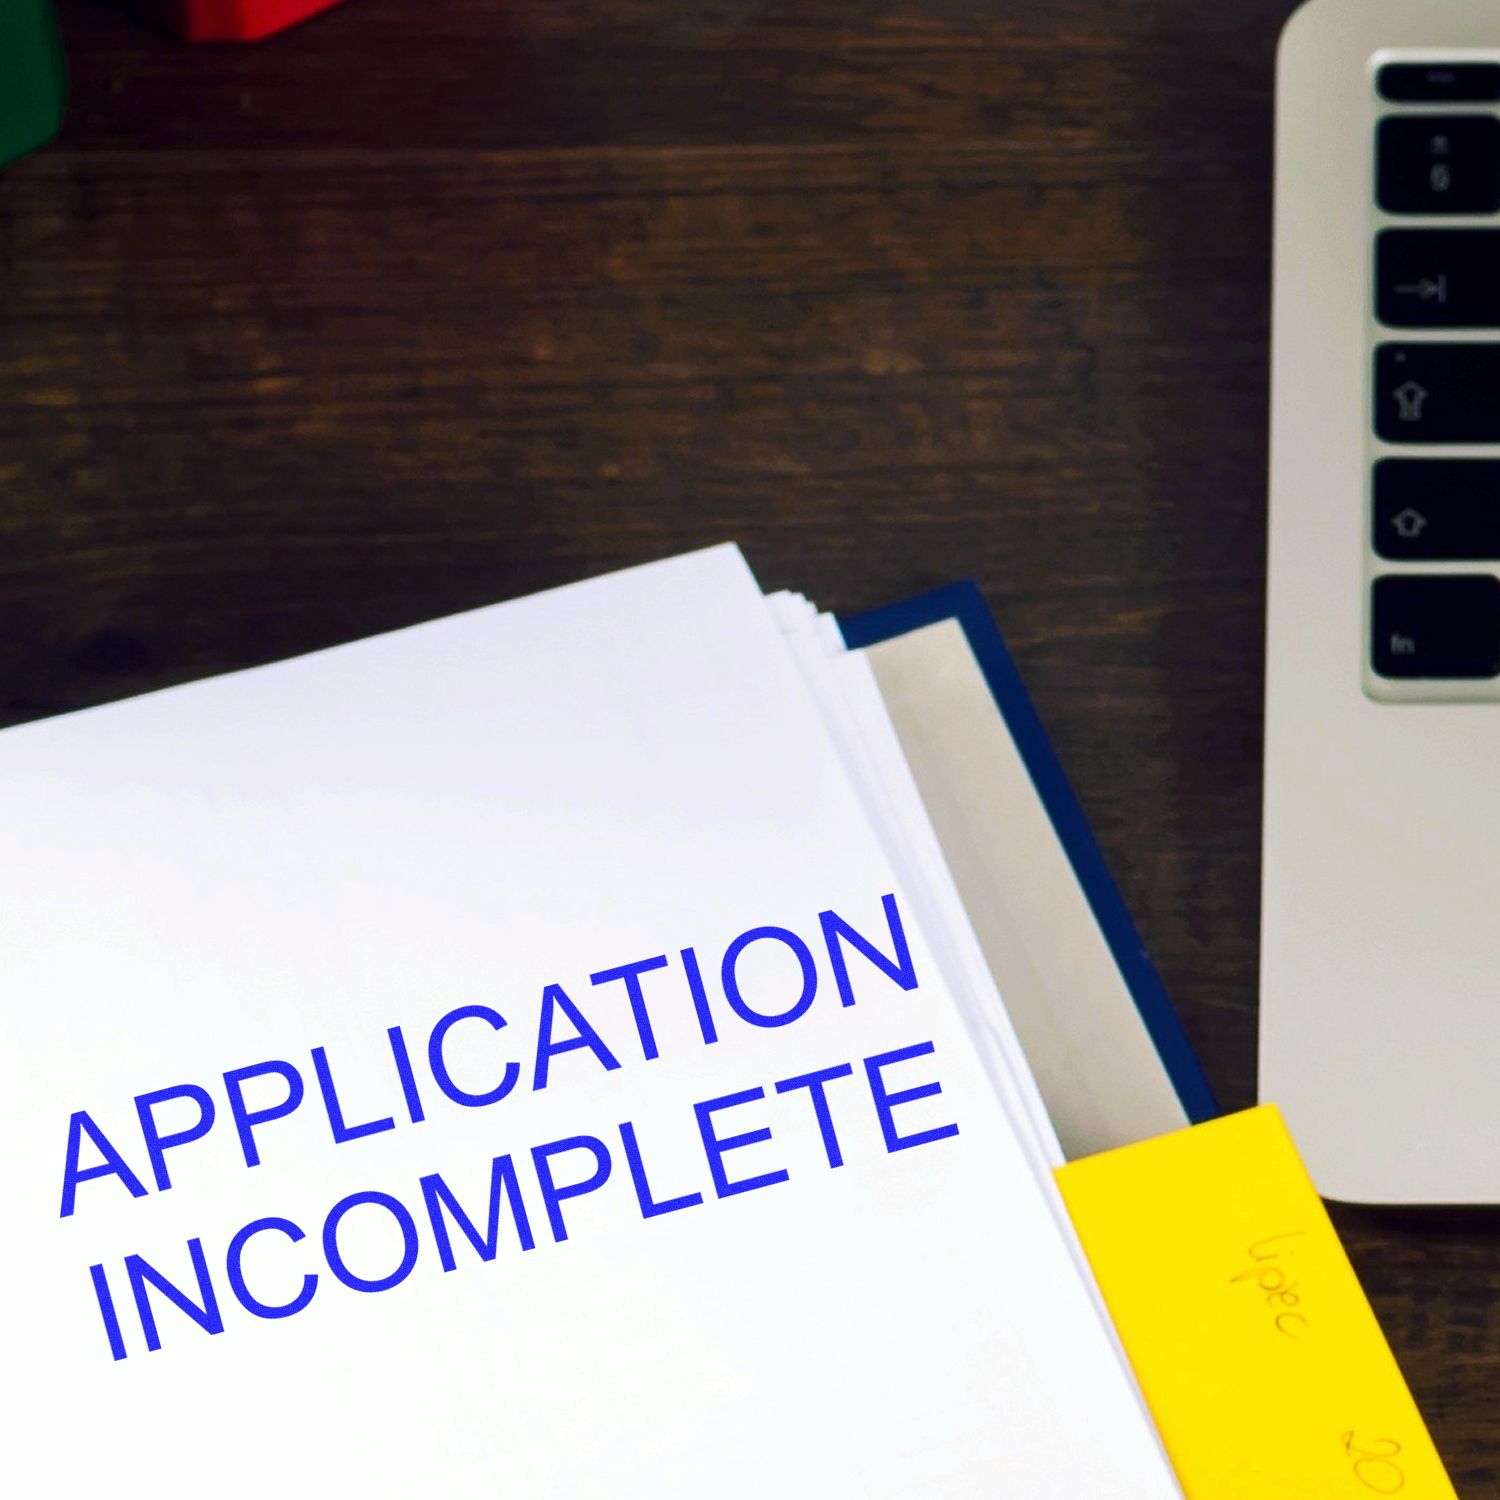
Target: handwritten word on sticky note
<point>1255,1347</point>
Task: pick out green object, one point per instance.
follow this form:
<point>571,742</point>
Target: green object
<point>33,78</point>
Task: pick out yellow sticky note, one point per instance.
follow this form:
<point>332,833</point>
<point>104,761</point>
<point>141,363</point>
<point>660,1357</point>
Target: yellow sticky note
<point>1257,1351</point>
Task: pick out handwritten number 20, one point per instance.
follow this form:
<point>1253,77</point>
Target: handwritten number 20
<point>1375,1464</point>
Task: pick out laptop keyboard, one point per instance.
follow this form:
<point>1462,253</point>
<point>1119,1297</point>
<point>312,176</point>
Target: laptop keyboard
<point>1436,382</point>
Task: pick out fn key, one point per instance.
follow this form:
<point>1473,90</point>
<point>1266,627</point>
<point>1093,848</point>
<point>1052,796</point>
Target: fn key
<point>1436,625</point>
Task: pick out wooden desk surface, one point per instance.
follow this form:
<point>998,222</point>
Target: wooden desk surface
<point>428,304</point>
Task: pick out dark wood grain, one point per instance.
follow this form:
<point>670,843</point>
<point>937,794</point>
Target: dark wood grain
<point>425,305</point>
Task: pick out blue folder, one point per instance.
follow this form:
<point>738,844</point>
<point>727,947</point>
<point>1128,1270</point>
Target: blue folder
<point>963,603</point>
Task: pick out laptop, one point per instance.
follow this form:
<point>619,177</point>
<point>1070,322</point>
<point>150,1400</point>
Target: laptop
<point>1380,970</point>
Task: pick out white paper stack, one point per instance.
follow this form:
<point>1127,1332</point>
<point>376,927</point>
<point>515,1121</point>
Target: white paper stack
<point>540,1053</point>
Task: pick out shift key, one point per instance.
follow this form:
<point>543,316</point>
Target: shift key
<point>1437,393</point>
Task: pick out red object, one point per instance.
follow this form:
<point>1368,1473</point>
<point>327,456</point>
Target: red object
<point>229,20</point>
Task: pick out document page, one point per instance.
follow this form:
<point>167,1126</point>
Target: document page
<point>500,1058</point>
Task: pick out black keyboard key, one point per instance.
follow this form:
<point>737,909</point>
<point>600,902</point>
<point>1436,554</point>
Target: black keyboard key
<point>1437,509</point>
<point>1437,393</point>
<point>1439,164</point>
<point>1436,626</point>
<point>1439,83</point>
<point>1438,278</point>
